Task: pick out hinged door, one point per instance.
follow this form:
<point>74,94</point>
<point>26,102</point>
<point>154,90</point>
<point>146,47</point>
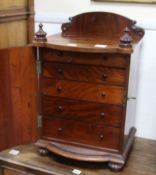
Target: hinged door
<point>18,97</point>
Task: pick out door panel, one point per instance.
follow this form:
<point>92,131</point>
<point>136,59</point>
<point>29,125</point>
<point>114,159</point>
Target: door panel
<point>18,119</point>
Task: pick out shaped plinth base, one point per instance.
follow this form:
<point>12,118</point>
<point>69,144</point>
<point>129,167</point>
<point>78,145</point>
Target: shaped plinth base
<point>116,160</point>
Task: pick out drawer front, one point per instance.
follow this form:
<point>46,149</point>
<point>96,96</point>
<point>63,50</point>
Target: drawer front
<point>109,115</point>
<point>111,60</point>
<point>79,132</point>
<point>97,74</point>
<point>83,91</point>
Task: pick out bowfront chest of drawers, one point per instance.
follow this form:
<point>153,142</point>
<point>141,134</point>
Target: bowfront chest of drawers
<point>82,101</point>
<point>83,88</point>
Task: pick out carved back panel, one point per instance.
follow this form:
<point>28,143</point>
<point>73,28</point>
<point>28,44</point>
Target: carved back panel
<point>107,25</point>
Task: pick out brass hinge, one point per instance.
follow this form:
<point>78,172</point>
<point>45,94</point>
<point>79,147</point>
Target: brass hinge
<point>39,121</point>
<point>38,63</point>
<point>38,67</point>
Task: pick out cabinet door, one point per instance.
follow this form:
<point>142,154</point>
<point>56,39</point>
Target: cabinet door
<point>17,97</point>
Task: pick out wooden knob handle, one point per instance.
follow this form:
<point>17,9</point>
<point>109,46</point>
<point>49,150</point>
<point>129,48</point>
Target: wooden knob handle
<point>60,130</point>
<point>103,94</point>
<point>60,108</point>
<point>102,114</point>
<point>101,136</point>
<point>60,54</point>
<point>59,89</point>
<point>60,71</point>
<point>104,76</point>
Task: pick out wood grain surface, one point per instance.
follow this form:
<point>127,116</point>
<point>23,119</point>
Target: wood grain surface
<point>142,161</point>
<point>83,91</point>
<point>83,73</point>
<point>89,112</point>
<point>18,97</point>
<point>105,137</point>
<point>103,59</point>
<point>89,63</point>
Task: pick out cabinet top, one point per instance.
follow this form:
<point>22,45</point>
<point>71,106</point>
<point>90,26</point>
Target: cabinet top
<point>97,32</point>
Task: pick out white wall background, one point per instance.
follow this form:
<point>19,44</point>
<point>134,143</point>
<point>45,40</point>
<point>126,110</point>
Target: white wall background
<point>54,12</point>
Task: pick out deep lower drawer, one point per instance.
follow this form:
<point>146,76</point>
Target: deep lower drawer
<point>82,111</point>
<point>110,60</point>
<point>96,74</point>
<point>79,132</point>
<point>83,91</point>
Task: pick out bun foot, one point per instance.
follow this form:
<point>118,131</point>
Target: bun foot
<point>43,151</point>
<point>115,166</point>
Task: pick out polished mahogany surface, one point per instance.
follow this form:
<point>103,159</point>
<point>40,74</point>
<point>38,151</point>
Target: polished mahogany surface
<point>91,32</point>
<point>84,91</point>
<point>95,59</point>
<point>18,109</point>
<point>84,86</point>
<point>89,112</point>
<point>84,73</point>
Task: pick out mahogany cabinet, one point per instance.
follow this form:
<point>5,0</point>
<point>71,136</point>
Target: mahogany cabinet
<point>83,92</point>
<point>87,88</point>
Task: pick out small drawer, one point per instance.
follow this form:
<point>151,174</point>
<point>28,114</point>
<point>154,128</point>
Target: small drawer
<point>83,91</point>
<point>74,131</point>
<point>102,59</point>
<point>109,115</point>
<point>97,74</point>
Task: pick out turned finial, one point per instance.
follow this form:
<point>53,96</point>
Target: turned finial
<point>40,35</point>
<point>126,39</point>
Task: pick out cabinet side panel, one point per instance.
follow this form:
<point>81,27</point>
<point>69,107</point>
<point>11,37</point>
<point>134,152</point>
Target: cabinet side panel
<point>132,90</point>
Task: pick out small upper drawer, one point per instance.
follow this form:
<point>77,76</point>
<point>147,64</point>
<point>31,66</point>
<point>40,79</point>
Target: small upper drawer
<point>88,112</point>
<point>83,91</point>
<point>97,74</point>
<point>106,59</point>
<point>75,131</point>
